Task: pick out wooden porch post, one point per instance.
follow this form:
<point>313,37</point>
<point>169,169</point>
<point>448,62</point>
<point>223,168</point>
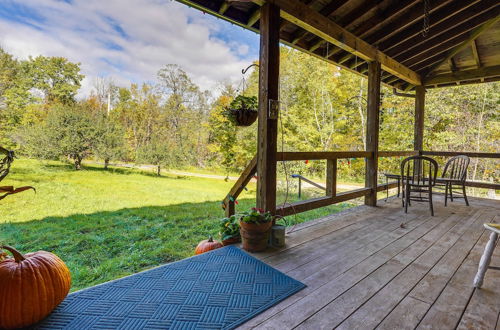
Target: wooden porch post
<point>418,141</point>
<point>268,93</point>
<point>372,130</point>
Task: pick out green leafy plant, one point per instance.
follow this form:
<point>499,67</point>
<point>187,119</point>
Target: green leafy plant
<point>244,103</point>
<point>229,227</point>
<point>255,215</point>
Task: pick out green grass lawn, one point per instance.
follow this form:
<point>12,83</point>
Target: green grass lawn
<point>107,224</point>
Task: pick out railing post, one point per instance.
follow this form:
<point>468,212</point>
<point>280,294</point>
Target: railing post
<point>372,130</point>
<point>331,177</point>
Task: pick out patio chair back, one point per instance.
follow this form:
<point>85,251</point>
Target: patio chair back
<point>419,171</point>
<point>456,168</point>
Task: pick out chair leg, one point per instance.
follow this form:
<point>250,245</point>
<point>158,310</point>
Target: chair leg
<point>430,202</point>
<point>485,260</point>
<point>465,195</point>
<point>446,194</point>
<point>407,200</point>
<point>451,192</point>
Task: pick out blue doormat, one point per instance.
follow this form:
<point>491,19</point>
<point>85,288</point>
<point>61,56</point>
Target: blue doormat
<point>220,289</point>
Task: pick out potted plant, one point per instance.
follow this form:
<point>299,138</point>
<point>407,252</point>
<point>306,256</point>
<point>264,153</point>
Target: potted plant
<point>243,110</point>
<point>230,230</point>
<point>255,226</point>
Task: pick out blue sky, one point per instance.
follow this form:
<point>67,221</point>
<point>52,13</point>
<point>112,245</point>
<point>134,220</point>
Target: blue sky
<point>128,40</point>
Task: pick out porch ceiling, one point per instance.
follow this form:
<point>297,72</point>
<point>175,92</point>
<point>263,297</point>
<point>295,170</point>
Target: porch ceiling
<point>461,47</point>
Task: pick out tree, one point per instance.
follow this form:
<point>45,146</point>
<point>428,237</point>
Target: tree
<point>55,78</point>
<point>70,132</point>
<point>158,151</point>
<point>110,143</point>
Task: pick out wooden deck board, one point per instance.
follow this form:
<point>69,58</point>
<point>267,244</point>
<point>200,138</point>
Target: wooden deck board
<point>364,270</point>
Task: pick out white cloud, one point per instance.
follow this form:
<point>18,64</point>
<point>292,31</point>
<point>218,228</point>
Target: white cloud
<point>128,41</point>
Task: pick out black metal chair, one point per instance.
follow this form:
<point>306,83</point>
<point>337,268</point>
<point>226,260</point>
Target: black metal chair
<point>454,174</point>
<point>418,175</point>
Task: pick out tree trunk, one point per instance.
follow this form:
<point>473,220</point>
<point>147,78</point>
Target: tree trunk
<point>106,163</point>
<point>158,170</point>
<point>78,162</point>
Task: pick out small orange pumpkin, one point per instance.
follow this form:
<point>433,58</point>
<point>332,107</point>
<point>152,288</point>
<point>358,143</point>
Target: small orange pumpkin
<point>207,245</point>
<point>32,285</point>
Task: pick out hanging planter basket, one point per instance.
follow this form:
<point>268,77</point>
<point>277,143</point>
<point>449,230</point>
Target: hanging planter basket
<point>243,110</point>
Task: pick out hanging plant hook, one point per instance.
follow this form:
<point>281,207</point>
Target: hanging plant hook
<point>243,71</point>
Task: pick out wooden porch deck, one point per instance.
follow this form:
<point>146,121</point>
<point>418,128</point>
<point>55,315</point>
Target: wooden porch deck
<point>371,268</point>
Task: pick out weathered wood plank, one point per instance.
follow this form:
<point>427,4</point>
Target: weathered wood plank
<point>327,287</point>
<point>316,155</point>
<point>336,312</point>
<point>454,245</point>
<point>449,307</point>
<point>466,153</point>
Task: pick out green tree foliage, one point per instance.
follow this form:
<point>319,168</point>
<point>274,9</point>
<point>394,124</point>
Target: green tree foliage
<point>54,78</point>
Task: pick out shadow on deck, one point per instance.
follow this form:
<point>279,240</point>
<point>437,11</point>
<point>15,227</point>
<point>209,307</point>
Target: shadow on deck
<point>379,267</point>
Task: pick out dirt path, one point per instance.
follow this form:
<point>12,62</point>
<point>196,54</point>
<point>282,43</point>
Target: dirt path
<point>220,177</point>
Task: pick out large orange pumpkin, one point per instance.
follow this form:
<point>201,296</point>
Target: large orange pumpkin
<point>207,245</point>
<point>31,286</point>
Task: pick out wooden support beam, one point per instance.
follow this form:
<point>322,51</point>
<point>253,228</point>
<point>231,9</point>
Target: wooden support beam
<point>301,15</point>
<point>372,131</point>
<point>458,76</point>
<point>472,36</point>
<point>224,7</point>
<point>267,135</point>
<point>473,46</point>
<point>418,134</point>
<point>254,17</point>
<point>239,185</point>
<point>331,177</point>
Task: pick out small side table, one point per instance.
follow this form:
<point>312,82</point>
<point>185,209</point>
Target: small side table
<point>395,177</point>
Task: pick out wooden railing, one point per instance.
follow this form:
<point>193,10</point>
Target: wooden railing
<point>332,197</point>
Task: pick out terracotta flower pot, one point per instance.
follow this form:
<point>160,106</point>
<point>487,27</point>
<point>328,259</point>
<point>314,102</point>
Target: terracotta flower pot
<point>232,240</point>
<point>255,236</point>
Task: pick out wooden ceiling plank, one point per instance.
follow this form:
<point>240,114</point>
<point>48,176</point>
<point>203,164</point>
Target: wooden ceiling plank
<point>328,10</point>
<point>444,42</point>
<point>458,25</point>
<point>473,46</point>
<point>484,72</point>
<point>301,15</point>
<point>472,36</point>
<point>445,15</point>
<point>414,17</point>
<point>350,18</point>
